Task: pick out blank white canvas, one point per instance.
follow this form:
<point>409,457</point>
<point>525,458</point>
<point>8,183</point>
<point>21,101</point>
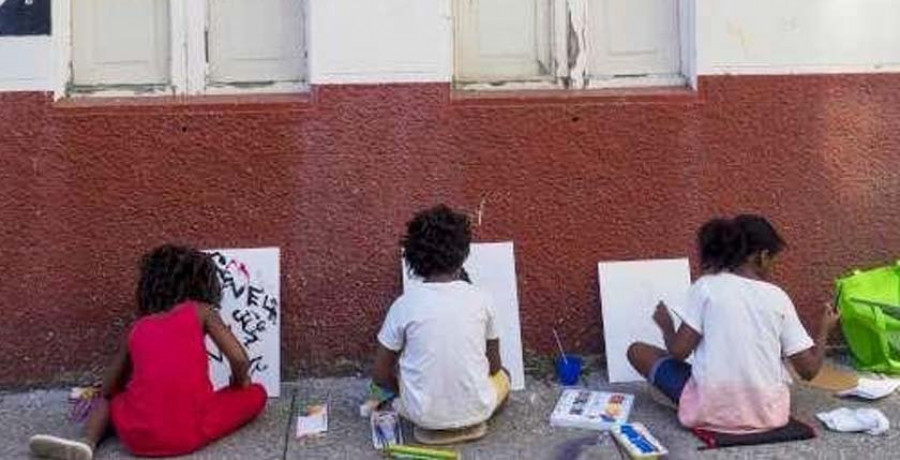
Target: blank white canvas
<point>251,308</point>
<point>492,267</point>
<point>629,293</point>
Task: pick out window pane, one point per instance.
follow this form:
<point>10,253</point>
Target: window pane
<point>256,41</point>
<point>117,42</point>
<point>632,37</point>
<point>499,40</point>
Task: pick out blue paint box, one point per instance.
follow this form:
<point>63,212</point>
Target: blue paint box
<point>637,441</point>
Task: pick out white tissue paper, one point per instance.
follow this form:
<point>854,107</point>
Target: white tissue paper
<point>871,421</point>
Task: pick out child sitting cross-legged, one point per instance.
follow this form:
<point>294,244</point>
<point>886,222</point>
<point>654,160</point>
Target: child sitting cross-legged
<point>442,333</point>
<point>740,328</point>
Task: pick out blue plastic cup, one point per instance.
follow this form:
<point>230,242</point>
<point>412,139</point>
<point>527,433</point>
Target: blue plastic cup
<point>568,370</point>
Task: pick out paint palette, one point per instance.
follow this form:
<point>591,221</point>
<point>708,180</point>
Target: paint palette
<point>593,410</point>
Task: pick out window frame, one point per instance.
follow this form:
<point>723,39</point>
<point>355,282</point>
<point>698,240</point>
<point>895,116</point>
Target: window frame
<point>188,65</point>
<point>565,73</point>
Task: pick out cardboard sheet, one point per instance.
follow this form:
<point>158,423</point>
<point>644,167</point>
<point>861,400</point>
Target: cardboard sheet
<point>831,379</point>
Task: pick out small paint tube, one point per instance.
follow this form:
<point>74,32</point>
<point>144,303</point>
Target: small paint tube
<point>366,409</point>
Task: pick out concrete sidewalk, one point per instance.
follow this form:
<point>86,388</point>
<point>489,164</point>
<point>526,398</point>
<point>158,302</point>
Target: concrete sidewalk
<point>520,431</point>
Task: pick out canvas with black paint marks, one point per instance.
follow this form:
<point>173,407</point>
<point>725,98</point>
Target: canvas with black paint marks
<point>24,17</point>
<point>251,308</point>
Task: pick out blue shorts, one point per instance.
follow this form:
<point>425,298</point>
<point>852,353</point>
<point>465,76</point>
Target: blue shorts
<point>669,375</point>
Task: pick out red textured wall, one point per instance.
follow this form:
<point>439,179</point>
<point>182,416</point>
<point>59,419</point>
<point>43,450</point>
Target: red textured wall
<point>332,179</point>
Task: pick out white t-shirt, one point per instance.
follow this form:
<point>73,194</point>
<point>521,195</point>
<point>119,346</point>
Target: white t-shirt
<point>441,330</point>
<point>738,381</point>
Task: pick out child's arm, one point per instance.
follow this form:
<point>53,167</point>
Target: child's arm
<point>681,343</point>
<point>384,373</point>
<point>229,346</point>
<point>493,356</point>
<point>117,373</point>
<point>808,362</point>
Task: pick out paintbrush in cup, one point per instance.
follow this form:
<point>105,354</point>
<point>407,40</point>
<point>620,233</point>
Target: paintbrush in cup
<point>562,352</point>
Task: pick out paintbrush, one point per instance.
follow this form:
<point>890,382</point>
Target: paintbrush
<point>562,352</point>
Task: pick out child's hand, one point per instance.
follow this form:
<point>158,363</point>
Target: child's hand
<point>662,318</point>
<point>830,317</point>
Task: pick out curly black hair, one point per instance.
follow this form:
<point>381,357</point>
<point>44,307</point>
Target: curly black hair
<point>437,241</point>
<point>725,244</point>
<point>173,274</point>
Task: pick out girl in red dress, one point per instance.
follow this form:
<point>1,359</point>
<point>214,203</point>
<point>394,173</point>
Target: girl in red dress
<point>157,395</point>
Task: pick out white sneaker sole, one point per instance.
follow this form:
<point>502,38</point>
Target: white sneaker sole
<point>59,448</point>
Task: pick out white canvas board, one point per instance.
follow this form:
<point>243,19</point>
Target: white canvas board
<point>251,308</point>
<point>629,293</point>
<point>492,267</point>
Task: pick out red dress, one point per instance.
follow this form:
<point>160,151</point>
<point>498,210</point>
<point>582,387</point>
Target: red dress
<point>169,406</point>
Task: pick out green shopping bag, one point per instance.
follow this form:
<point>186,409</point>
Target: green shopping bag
<point>869,302</point>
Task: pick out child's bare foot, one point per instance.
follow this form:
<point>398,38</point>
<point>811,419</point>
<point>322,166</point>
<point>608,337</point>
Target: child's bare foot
<point>60,448</point>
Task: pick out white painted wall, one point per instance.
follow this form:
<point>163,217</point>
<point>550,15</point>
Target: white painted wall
<point>26,63</point>
<point>798,36</point>
<point>378,41</point>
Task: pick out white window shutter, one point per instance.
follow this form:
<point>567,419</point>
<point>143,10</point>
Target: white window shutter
<point>543,19</point>
<point>502,40</point>
<point>120,42</point>
<point>632,37</point>
<point>256,41</point>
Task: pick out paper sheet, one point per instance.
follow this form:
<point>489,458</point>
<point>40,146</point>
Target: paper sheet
<point>872,388</point>
<point>314,422</point>
<point>629,293</point>
<point>492,267</point>
<point>251,308</point>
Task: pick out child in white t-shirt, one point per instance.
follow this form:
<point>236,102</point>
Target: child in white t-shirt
<point>739,327</point>
<point>442,334</point>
